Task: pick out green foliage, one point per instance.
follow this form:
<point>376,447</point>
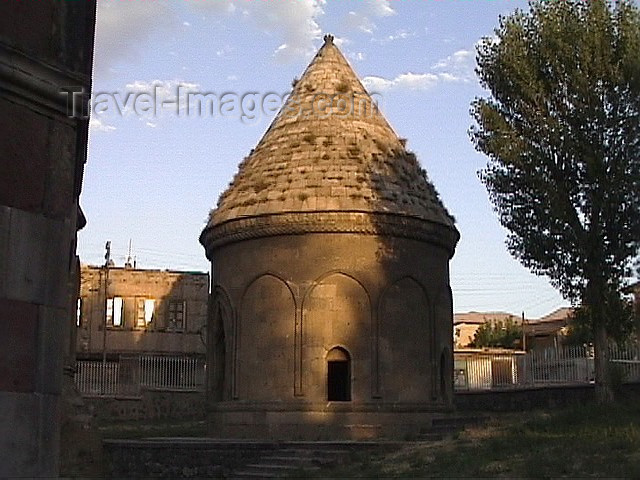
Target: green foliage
<point>579,333</point>
<point>561,129</point>
<point>498,333</point>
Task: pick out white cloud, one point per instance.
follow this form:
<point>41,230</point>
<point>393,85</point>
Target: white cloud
<point>376,84</point>
<point>399,35</point>
<point>171,94</point>
<point>407,81</point>
<point>341,42</point>
<point>295,22</point>
<point>96,124</point>
<point>357,56</point>
<point>224,51</point>
<point>380,8</point>
<point>359,21</point>
<point>458,66</point>
<point>122,27</point>
<point>362,18</point>
<point>416,81</point>
<point>214,6</point>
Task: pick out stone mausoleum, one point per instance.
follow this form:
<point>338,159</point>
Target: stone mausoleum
<point>332,312</point>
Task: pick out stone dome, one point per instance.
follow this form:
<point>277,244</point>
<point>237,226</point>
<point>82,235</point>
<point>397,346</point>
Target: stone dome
<point>330,162</point>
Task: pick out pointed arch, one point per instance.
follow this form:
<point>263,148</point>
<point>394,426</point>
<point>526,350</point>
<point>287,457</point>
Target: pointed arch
<point>267,311</point>
<point>336,310</point>
<point>221,323</point>
<point>443,341</point>
<point>404,339</point>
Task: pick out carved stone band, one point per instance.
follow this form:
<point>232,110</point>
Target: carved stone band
<point>298,223</point>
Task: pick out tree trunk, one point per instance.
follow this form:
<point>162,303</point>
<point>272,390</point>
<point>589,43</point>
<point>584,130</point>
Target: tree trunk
<point>604,389</point>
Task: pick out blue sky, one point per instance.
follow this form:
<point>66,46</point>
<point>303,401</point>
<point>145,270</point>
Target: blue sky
<point>154,178</point>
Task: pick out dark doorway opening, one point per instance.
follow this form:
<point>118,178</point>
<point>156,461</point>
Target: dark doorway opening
<point>338,376</point>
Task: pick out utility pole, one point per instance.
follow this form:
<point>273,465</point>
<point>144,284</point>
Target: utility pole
<point>524,334</point>
<point>107,258</point>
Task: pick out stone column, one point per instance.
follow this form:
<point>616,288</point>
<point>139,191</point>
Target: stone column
<point>44,46</point>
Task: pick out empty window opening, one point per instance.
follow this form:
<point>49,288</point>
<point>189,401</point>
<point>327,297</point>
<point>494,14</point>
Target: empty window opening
<point>114,312</point>
<point>338,375</point>
<point>79,312</point>
<point>144,312</point>
<point>149,306</point>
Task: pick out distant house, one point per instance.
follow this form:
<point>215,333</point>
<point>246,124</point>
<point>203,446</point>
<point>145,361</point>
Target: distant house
<point>465,325</point>
<point>547,331</point>
<point>143,311</point>
<point>487,368</point>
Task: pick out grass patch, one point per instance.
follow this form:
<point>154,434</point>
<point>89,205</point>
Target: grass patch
<point>584,441</point>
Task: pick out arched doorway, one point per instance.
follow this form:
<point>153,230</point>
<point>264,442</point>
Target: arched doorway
<point>338,375</point>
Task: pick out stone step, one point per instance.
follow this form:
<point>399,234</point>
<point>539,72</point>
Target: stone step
<point>430,437</point>
<point>289,460</point>
<point>442,429</point>
<point>458,421</point>
<point>312,451</point>
<point>317,457</point>
<point>270,467</point>
<point>267,470</point>
<point>238,475</point>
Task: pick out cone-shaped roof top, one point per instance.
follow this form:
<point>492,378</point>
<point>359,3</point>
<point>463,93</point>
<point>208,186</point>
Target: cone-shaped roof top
<point>329,150</point>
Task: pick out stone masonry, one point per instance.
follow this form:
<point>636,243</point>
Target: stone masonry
<point>44,46</point>
<point>332,311</point>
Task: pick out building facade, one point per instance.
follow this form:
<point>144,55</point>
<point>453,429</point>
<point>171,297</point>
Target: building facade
<point>332,311</point>
<point>124,310</point>
<point>465,325</point>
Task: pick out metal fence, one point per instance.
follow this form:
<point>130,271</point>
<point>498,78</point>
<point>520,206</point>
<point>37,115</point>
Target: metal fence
<point>132,373</point>
<point>173,373</point>
<point>552,366</point>
<point>97,378</point>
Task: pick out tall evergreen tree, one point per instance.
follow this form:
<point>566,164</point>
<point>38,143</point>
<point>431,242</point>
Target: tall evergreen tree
<point>561,128</point>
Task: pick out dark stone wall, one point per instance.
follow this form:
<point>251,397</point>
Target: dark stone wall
<point>151,405</point>
<point>44,46</point>
<point>286,300</point>
<point>530,398</point>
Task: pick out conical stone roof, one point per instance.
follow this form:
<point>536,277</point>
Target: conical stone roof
<point>329,162</point>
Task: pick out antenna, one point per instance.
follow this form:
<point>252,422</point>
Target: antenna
<point>107,254</point>
<point>127,264</point>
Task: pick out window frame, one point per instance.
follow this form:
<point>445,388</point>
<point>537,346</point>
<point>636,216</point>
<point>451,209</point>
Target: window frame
<point>79,312</point>
<point>110,309</point>
<point>171,324</point>
<point>144,319</point>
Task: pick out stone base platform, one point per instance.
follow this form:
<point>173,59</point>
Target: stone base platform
<point>317,422</point>
<point>224,458</point>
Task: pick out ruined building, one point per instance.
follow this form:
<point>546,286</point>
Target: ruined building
<point>144,311</point>
<point>332,311</point>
